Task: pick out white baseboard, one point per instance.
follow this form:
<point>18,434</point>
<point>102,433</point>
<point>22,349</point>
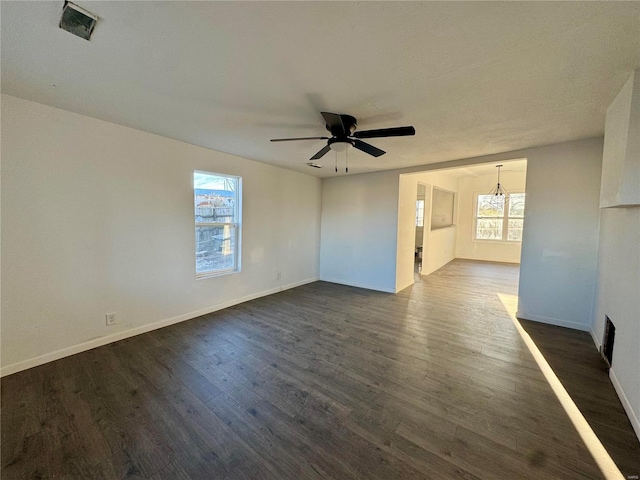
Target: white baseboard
<point>594,338</point>
<point>552,321</point>
<point>358,285</point>
<point>633,418</point>
<point>488,260</point>
<point>99,342</point>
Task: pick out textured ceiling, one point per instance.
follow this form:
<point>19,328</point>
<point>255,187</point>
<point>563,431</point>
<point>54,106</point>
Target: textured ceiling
<point>473,77</point>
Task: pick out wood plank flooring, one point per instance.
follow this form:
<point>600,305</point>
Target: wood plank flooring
<point>323,381</point>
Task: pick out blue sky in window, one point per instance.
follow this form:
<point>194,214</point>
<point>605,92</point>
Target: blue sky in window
<point>213,182</point>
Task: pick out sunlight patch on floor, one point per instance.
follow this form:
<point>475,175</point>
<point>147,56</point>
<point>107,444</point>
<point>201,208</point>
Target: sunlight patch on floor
<point>600,455</point>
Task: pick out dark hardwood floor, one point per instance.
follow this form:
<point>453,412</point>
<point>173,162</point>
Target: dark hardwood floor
<point>323,381</point>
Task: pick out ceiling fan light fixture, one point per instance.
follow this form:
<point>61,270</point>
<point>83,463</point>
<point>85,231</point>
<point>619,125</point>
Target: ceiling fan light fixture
<point>340,145</point>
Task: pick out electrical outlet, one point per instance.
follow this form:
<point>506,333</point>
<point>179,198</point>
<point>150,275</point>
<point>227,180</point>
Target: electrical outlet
<point>110,319</point>
<point>278,275</point>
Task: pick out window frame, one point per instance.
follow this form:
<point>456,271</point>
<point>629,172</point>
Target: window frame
<point>505,221</point>
<point>236,226</point>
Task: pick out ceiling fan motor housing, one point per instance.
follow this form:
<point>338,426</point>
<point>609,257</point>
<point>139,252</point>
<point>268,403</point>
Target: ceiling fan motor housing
<point>344,135</point>
<point>349,124</point>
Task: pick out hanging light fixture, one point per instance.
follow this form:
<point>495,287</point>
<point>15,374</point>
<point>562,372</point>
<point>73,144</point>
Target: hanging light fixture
<point>499,194</point>
<point>339,146</point>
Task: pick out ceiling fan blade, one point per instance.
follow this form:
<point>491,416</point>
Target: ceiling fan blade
<point>385,132</point>
<point>366,148</point>
<point>321,153</point>
<point>296,139</point>
<point>335,123</point>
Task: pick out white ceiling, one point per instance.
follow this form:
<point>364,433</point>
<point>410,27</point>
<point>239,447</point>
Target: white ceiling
<point>473,77</point>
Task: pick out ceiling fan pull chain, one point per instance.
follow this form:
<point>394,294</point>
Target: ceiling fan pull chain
<point>346,168</point>
<point>336,161</point>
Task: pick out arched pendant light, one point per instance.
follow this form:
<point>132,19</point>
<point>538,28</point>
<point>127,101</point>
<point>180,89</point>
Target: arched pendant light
<point>499,194</point>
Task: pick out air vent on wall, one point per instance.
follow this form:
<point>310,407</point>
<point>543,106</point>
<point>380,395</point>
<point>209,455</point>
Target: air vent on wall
<point>77,20</point>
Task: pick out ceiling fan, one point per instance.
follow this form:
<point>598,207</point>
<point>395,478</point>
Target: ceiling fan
<point>344,134</point>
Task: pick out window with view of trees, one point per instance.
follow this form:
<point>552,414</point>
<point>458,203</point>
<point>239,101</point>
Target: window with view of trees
<point>217,220</point>
<point>500,219</point>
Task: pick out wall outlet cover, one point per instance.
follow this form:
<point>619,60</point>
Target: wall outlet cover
<point>110,319</point>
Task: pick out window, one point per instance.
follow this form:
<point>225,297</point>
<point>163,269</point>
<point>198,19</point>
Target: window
<point>497,219</point>
<point>419,213</point>
<point>442,208</point>
<point>217,201</point>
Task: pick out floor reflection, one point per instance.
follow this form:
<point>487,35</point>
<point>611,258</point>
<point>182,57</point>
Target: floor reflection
<point>571,366</point>
<point>587,382</point>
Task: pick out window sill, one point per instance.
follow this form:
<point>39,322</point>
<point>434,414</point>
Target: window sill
<point>504,242</point>
<point>217,273</point>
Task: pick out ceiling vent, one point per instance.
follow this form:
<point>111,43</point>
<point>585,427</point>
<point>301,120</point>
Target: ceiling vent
<point>77,20</point>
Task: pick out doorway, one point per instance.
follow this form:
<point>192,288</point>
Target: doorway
<point>442,216</point>
<point>419,235</point>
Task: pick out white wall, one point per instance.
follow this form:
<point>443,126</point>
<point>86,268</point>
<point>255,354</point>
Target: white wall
<point>98,218</point>
<point>440,249</point>
<point>559,249</point>
<point>618,297</point>
<point>438,246</point>
<point>406,228</point>
<point>359,230</point>
<point>618,286</point>
<point>560,238</point>
<point>466,245</point>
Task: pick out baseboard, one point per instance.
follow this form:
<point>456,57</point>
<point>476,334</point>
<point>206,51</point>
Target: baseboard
<point>99,342</point>
<point>633,418</point>
<point>594,338</point>
<point>358,285</point>
<point>484,259</point>
<point>552,321</point>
